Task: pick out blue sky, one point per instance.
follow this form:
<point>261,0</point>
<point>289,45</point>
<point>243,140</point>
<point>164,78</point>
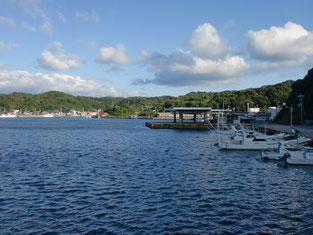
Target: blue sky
<point>152,48</point>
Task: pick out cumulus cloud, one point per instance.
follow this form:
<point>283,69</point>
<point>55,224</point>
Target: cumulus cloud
<point>209,62</point>
<point>7,21</point>
<point>55,59</point>
<point>110,55</point>
<point>205,42</point>
<point>184,69</point>
<point>23,81</point>
<point>91,16</point>
<point>281,43</point>
<point>280,47</point>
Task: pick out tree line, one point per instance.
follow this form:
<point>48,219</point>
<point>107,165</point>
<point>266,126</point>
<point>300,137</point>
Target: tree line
<point>300,97</point>
<point>263,97</point>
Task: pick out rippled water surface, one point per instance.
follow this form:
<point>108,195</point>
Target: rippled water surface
<point>99,176</point>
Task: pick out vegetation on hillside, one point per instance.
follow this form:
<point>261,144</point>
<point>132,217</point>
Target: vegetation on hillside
<point>300,87</point>
<point>58,101</point>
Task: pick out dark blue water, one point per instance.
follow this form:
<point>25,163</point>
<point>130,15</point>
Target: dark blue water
<point>100,176</point>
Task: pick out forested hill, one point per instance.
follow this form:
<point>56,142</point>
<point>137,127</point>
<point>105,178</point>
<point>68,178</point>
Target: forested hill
<point>300,87</point>
<point>58,101</point>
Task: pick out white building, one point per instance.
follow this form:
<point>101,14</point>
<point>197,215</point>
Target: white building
<point>273,111</point>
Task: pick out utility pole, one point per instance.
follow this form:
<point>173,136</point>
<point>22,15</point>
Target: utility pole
<point>291,108</point>
<point>301,101</point>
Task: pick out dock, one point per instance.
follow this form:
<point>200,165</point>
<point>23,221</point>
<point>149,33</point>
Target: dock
<point>181,126</point>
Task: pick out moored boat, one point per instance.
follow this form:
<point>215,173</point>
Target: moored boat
<point>8,115</point>
<point>285,147</point>
<point>249,140</point>
<point>301,157</point>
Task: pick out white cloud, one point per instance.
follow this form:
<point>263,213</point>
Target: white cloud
<point>31,8</point>
<point>281,43</point>
<point>266,66</point>
<point>28,27</point>
<point>209,62</point>
<point>9,45</point>
<point>184,69</point>
<point>46,27</point>
<point>91,44</point>
<point>55,59</point>
<point>61,17</point>
<point>110,55</point>
<point>7,21</point>
<point>206,43</point>
<point>23,81</point>
<point>91,16</point>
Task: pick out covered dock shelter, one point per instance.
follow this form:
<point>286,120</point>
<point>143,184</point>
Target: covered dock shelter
<point>205,111</point>
<point>192,112</point>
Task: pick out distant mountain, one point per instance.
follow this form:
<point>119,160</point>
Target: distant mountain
<point>58,101</point>
<point>302,87</point>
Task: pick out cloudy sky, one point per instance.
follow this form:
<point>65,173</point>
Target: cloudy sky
<point>152,48</point>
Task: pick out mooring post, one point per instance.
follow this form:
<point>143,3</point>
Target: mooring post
<point>181,117</point>
<point>205,118</point>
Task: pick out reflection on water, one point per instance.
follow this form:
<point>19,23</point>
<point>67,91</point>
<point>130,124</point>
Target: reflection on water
<point>96,176</point>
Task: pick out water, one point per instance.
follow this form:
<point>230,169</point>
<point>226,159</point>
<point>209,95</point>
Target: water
<point>102,176</point>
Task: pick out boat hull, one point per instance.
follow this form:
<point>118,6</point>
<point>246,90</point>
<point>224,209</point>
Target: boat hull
<point>299,158</point>
<point>256,146</point>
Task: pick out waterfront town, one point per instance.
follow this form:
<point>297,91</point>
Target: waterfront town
<point>254,112</point>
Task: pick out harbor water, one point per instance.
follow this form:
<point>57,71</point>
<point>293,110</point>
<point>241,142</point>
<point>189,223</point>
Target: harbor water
<point>115,176</point>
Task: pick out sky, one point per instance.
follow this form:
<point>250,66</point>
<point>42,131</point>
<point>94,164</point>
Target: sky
<point>152,48</point>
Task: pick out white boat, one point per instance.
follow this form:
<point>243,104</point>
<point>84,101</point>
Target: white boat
<point>47,115</point>
<point>285,147</point>
<point>249,140</point>
<point>301,157</point>
<point>8,115</point>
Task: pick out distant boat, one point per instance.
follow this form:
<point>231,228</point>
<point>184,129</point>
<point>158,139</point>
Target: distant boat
<point>133,117</point>
<point>47,115</point>
<point>8,115</point>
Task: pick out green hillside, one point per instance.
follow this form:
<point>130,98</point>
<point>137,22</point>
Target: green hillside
<point>300,87</point>
<point>58,101</point>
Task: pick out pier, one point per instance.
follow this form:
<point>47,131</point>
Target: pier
<point>192,123</point>
<point>182,126</point>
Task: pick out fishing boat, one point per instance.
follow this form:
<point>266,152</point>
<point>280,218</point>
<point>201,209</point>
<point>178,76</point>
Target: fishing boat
<point>301,157</point>
<point>250,140</point>
<point>8,115</point>
<point>48,115</point>
<point>285,147</point>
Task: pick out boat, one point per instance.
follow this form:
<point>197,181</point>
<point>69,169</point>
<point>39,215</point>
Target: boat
<point>47,115</point>
<point>301,157</point>
<point>285,147</point>
<point>8,115</point>
<point>250,140</point>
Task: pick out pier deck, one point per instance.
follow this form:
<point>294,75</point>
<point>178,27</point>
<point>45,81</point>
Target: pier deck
<point>269,128</point>
<point>183,126</point>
